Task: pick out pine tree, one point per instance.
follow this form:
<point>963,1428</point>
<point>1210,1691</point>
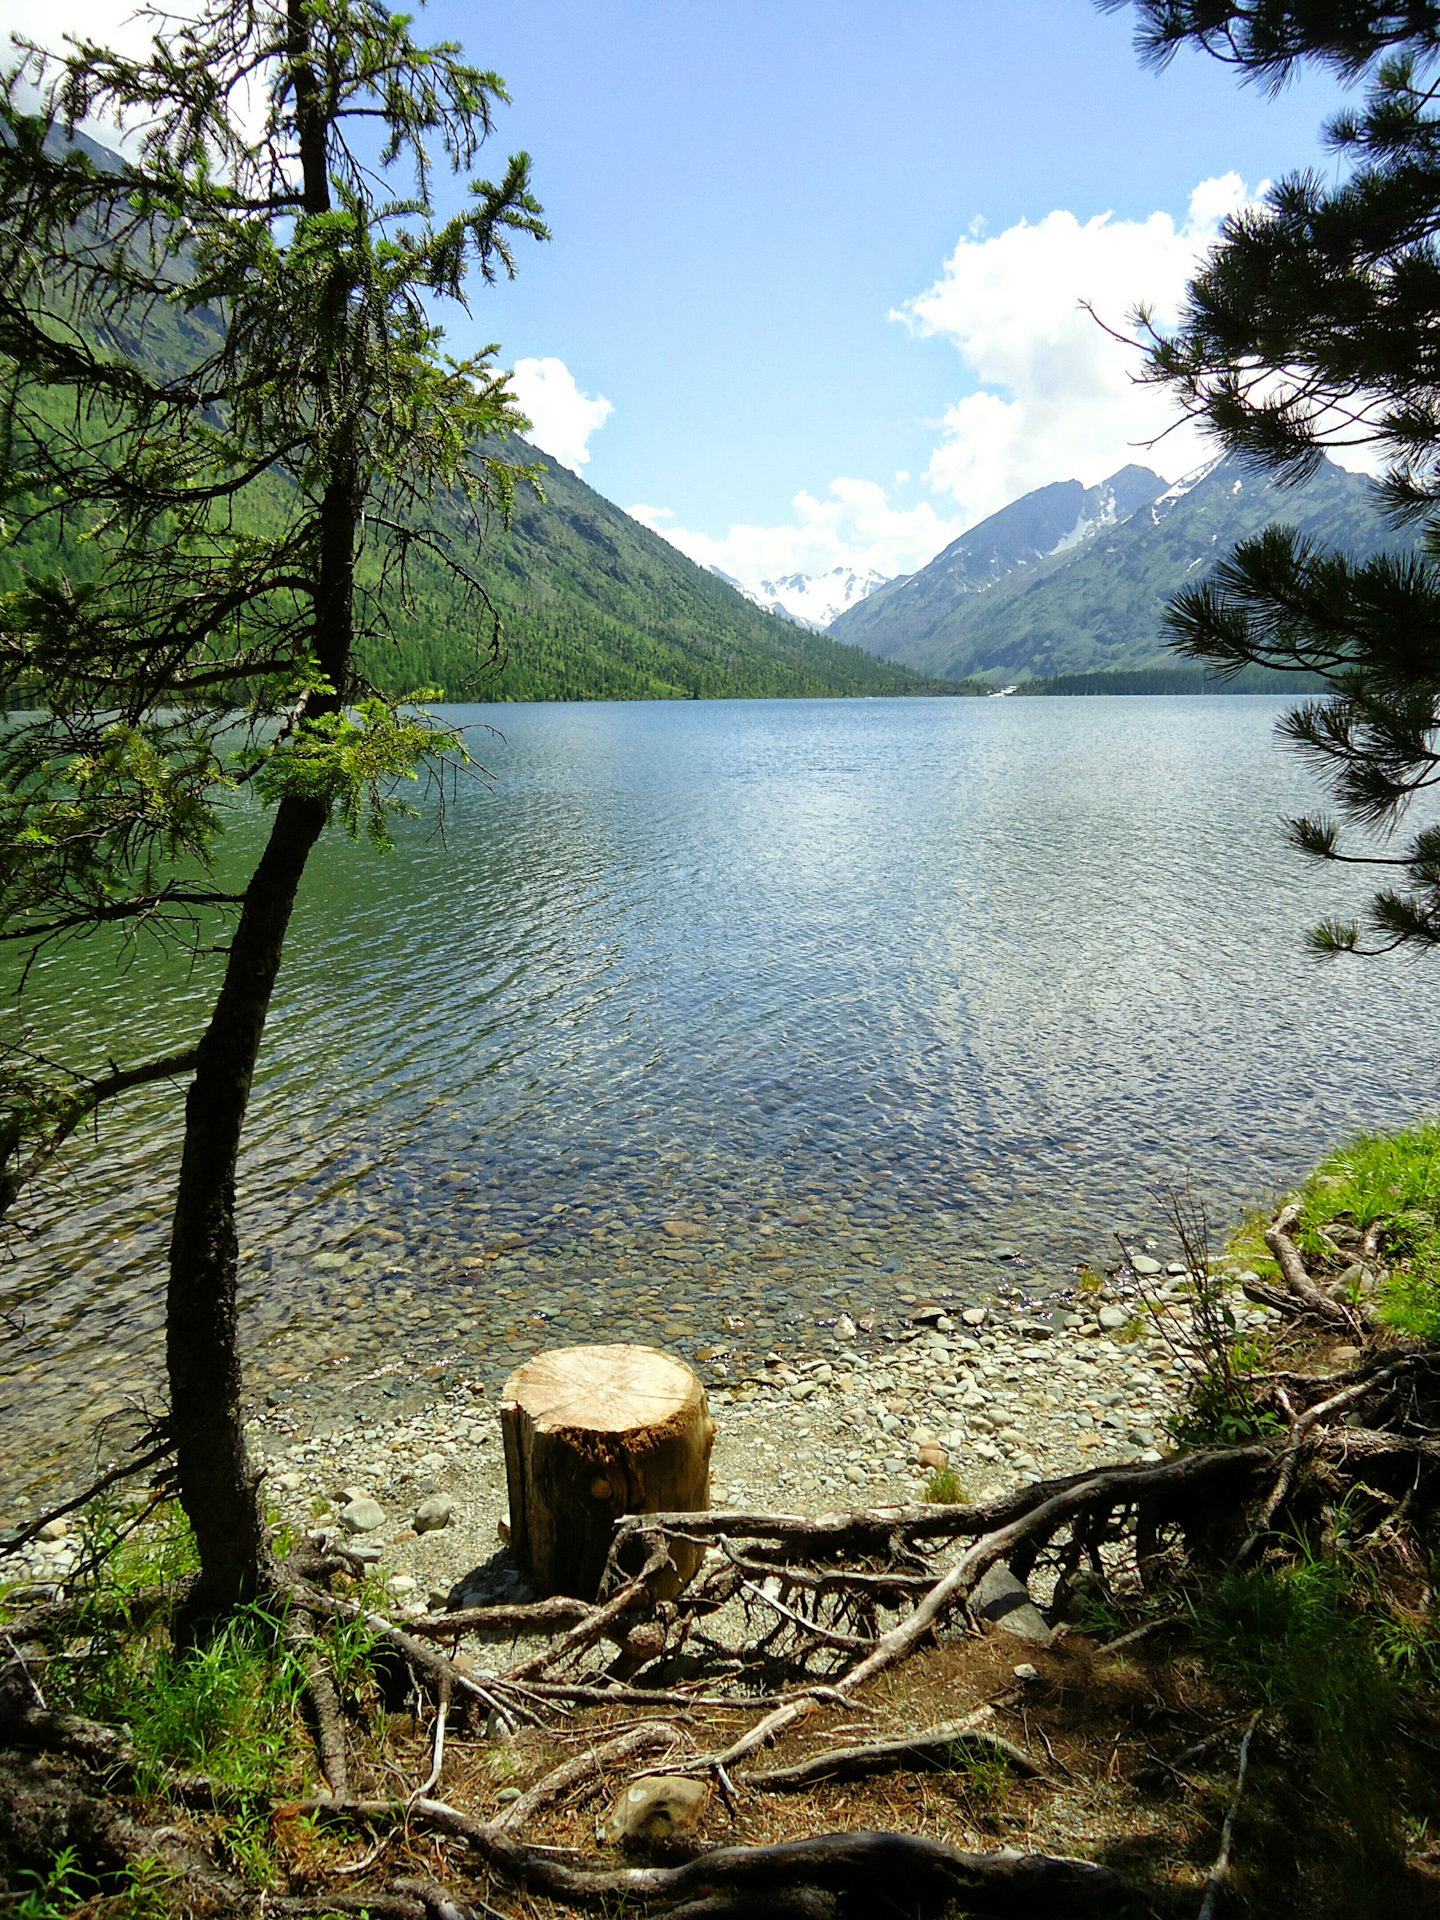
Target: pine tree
<point>222,379</point>
<point>1313,325</point>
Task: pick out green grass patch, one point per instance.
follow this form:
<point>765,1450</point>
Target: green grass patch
<point>945,1488</point>
<point>1389,1179</point>
<point>1309,1644</point>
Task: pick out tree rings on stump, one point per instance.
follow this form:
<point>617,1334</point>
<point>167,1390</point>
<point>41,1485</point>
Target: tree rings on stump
<point>592,1433</point>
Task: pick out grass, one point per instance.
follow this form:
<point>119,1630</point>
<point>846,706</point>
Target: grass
<point>1390,1178</point>
<point>945,1488</point>
<point>1307,1643</point>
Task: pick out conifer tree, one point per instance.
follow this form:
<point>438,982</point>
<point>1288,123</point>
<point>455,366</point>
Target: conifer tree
<point>1314,325</point>
<point>223,382</point>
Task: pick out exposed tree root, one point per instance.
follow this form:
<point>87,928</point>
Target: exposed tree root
<point>1301,1286</point>
<point>863,1869</point>
<point>324,1702</point>
<point>834,1602</point>
<point>656,1736</point>
<point>933,1746</point>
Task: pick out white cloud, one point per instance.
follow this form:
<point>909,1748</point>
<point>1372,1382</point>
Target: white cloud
<point>856,526</point>
<point>111,24</point>
<point>1055,397</point>
<point>1052,396</point>
<point>563,417</point>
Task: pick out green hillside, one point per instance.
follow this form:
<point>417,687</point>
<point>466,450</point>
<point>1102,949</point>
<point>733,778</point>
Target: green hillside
<point>1099,606</point>
<point>596,607</point>
<point>593,605</point>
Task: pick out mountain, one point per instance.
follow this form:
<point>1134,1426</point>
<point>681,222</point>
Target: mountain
<point>1097,604</point>
<point>593,605</point>
<point>1054,519</point>
<point>812,600</point>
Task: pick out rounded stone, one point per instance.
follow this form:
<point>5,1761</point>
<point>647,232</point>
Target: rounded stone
<point>362,1516</point>
<point>433,1514</point>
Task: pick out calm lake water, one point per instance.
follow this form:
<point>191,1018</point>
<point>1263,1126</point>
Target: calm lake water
<point>897,998</point>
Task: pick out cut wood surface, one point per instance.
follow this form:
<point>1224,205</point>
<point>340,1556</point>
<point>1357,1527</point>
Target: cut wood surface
<point>591,1434</point>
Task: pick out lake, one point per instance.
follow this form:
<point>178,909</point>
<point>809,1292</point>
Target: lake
<point>896,999</point>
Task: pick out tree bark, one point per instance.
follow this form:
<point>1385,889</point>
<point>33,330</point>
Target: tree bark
<point>216,1483</point>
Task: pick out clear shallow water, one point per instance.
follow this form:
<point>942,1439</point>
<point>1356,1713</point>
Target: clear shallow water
<point>878,990</point>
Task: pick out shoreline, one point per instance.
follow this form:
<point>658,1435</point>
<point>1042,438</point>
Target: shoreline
<point>1000,1397</point>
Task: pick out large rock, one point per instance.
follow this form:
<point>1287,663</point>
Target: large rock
<point>656,1808</point>
<point>433,1514</point>
<point>1003,1602</point>
<point>362,1516</point>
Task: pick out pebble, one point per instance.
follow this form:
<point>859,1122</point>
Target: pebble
<point>856,1409</point>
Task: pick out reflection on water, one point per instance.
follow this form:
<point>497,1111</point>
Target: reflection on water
<point>885,992</point>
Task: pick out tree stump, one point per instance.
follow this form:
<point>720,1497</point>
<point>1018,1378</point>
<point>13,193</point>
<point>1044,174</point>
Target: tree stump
<point>592,1433</point>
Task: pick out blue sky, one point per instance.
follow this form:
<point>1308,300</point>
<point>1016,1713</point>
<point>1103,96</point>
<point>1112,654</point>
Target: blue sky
<point>744,197</point>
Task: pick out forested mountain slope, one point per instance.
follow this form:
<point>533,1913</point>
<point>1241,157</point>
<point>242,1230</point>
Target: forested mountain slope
<point>592,604</point>
<point>596,607</point>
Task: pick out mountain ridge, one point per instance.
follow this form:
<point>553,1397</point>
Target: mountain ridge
<point>1098,604</point>
<point>593,605</point>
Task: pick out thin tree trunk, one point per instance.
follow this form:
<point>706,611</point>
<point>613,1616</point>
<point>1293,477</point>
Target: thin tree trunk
<point>217,1484</point>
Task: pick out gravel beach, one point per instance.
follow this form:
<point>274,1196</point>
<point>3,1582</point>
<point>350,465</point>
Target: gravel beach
<point>859,1419</point>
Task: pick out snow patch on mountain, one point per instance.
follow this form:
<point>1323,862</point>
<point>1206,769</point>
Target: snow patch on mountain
<point>810,600</point>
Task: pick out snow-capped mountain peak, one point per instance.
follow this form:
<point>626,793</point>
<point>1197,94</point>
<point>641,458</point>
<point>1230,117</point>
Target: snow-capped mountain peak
<point>811,600</point>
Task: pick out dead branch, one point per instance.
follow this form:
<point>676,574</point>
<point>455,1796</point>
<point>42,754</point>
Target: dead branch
<point>1292,1267</point>
<point>432,1779</point>
<point>848,1642</point>
<point>10,1542</point>
<point>934,1746</point>
<point>1221,1867</point>
<point>1146,1632</point>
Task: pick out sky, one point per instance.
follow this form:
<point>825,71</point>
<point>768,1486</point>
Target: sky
<point>813,296</point>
